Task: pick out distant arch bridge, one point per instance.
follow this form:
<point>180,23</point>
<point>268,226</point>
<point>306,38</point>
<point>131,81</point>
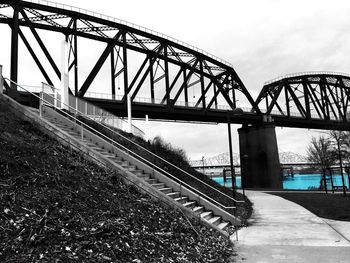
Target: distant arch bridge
<point>165,78</point>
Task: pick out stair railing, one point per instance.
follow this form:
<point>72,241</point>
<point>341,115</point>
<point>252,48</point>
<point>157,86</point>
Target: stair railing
<point>129,152</point>
<point>100,115</point>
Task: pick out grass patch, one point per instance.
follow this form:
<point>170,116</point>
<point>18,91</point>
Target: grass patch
<point>331,206</point>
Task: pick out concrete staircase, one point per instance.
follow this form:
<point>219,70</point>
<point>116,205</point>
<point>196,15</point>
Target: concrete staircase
<point>205,215</point>
<point>132,169</point>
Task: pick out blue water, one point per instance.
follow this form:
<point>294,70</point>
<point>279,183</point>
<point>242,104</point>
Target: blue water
<point>298,182</point>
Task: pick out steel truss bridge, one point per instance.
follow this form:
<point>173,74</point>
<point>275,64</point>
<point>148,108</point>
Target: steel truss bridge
<point>164,78</point>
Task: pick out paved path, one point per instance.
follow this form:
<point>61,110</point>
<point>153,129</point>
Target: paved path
<point>282,231</point>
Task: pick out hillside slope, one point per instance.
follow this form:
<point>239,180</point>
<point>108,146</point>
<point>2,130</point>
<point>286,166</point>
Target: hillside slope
<point>55,206</point>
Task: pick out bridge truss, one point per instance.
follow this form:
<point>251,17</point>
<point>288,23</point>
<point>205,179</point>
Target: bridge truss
<point>151,68</point>
<point>309,100</point>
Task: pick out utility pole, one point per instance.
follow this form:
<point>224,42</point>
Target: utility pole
<point>231,156</point>
<point>341,165</point>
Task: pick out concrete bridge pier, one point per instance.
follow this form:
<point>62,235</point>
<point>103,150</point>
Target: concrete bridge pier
<point>260,165</point>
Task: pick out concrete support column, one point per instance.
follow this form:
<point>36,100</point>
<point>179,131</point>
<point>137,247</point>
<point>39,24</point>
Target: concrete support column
<point>64,76</point>
<point>260,165</point>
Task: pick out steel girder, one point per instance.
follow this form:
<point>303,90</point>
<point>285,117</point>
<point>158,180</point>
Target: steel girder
<point>312,100</point>
<point>170,70</point>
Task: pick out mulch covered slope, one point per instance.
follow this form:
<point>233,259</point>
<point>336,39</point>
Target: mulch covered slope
<point>55,206</point>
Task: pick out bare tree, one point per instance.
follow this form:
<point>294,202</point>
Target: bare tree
<point>339,138</point>
<point>346,153</point>
<point>320,151</point>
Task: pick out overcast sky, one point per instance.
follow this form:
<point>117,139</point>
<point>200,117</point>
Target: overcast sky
<point>263,39</point>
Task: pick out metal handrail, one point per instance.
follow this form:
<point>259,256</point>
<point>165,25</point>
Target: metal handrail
<point>135,130</point>
<point>135,154</point>
<point>188,104</point>
<point>37,89</point>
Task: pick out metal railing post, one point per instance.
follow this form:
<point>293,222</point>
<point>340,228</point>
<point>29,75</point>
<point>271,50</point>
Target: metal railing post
<point>76,106</point>
<point>41,100</point>
<point>1,81</point>
<point>55,94</point>
<point>82,132</point>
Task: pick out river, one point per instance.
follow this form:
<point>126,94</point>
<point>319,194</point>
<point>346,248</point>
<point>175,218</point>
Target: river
<point>298,182</point>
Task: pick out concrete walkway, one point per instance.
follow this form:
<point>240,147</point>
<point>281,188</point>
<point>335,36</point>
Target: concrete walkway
<point>282,231</point>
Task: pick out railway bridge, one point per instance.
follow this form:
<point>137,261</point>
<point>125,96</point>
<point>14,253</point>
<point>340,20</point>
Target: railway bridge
<point>164,78</point>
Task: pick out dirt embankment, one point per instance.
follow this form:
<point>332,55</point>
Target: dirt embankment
<point>55,206</point>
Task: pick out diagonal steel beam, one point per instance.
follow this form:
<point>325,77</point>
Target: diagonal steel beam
<point>274,103</point>
<point>315,103</point>
<point>319,107</point>
<point>216,93</point>
<point>148,70</point>
<point>138,73</point>
<point>185,81</point>
<point>42,17</point>
<point>41,44</point>
<point>37,61</point>
<point>98,65</point>
<point>138,41</point>
<point>203,94</point>
<point>331,93</point>
<point>220,85</point>
<point>296,100</point>
<point>172,85</point>
<point>14,46</point>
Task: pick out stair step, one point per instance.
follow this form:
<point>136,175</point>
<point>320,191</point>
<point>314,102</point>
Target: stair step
<point>198,209</point>
<point>190,204</point>
<point>137,172</point>
<point>50,119</point>
<point>125,164</point>
<point>108,155</point>
<point>182,199</point>
<point>97,148</point>
<point>173,194</point>
<point>132,167</point>
<point>223,225</point>
<point>75,135</point>
<point>144,176</point>
<point>215,220</point>
<point>207,215</point>
<point>151,181</point>
<point>116,159</point>
<point>159,185</point>
<point>119,158</point>
<point>72,132</point>
<point>112,158</point>
<point>166,190</point>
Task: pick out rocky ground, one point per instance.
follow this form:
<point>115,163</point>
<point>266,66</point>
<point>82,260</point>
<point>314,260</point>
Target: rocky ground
<point>55,206</point>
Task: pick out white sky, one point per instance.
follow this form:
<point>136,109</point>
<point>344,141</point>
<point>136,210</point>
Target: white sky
<point>263,39</point>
